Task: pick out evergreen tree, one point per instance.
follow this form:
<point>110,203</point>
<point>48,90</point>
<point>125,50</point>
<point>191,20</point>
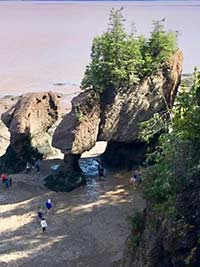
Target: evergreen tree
<point>120,60</point>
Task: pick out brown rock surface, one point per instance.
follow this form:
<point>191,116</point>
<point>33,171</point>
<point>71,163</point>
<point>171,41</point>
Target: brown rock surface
<point>120,119</point>
<point>116,116</point>
<point>78,131</point>
<point>30,121</point>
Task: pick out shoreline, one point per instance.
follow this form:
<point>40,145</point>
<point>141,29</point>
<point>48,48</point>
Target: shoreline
<point>63,90</point>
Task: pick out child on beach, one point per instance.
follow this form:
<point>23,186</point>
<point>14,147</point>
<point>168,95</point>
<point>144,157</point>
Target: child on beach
<point>48,205</point>
<point>28,168</point>
<point>43,224</point>
<point>40,214</point>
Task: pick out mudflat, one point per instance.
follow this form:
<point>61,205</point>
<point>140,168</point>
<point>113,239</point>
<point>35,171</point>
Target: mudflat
<point>46,45</point>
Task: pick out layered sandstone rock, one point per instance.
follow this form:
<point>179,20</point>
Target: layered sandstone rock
<point>78,131</point>
<point>116,116</point>
<point>30,122</point>
<point>121,117</point>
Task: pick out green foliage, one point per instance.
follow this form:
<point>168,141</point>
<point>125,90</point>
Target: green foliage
<point>78,113</point>
<point>154,125</point>
<point>167,208</point>
<point>160,46</point>
<point>137,222</point>
<point>134,242</point>
<point>177,156</point>
<point>119,59</point>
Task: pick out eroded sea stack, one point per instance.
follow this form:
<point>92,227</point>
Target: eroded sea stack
<point>114,116</point>
<point>31,122</point>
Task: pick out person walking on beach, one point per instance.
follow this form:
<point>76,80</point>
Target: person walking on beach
<point>48,205</point>
<point>43,224</point>
<point>7,183</point>
<point>136,179</point>
<point>28,168</point>
<point>40,213</point>
<point>37,166</point>
<point>100,171</point>
<point>10,182</point>
<point>4,177</point>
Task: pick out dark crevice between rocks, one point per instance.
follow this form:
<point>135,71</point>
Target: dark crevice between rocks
<point>120,155</point>
<point>14,161</point>
<point>52,103</point>
<point>53,111</point>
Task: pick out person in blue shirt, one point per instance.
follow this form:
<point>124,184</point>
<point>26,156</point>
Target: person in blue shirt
<point>48,204</point>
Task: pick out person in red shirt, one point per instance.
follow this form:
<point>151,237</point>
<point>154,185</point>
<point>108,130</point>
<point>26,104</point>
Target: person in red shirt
<point>4,177</point>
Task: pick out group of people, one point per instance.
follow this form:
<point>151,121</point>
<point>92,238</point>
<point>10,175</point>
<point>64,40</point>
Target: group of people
<point>6,180</point>
<point>36,165</point>
<point>41,214</point>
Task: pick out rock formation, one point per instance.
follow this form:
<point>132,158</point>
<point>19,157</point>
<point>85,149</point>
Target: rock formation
<point>171,241</point>
<point>30,122</point>
<point>115,115</point>
<point>76,133</point>
<point>78,130</point>
<point>129,106</point>
<point>4,138</point>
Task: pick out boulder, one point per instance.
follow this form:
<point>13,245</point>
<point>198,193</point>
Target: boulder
<point>30,122</point>
<point>76,134</point>
<point>78,130</point>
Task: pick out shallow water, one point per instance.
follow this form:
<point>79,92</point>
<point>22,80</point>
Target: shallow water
<point>44,45</point>
<point>89,166</point>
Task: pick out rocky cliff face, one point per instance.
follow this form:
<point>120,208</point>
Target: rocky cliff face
<point>169,241</point>
<point>129,106</point>
<point>30,122</point>
<point>115,115</point>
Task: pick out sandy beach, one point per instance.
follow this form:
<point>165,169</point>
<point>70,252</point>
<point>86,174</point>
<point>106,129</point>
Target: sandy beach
<point>86,227</point>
